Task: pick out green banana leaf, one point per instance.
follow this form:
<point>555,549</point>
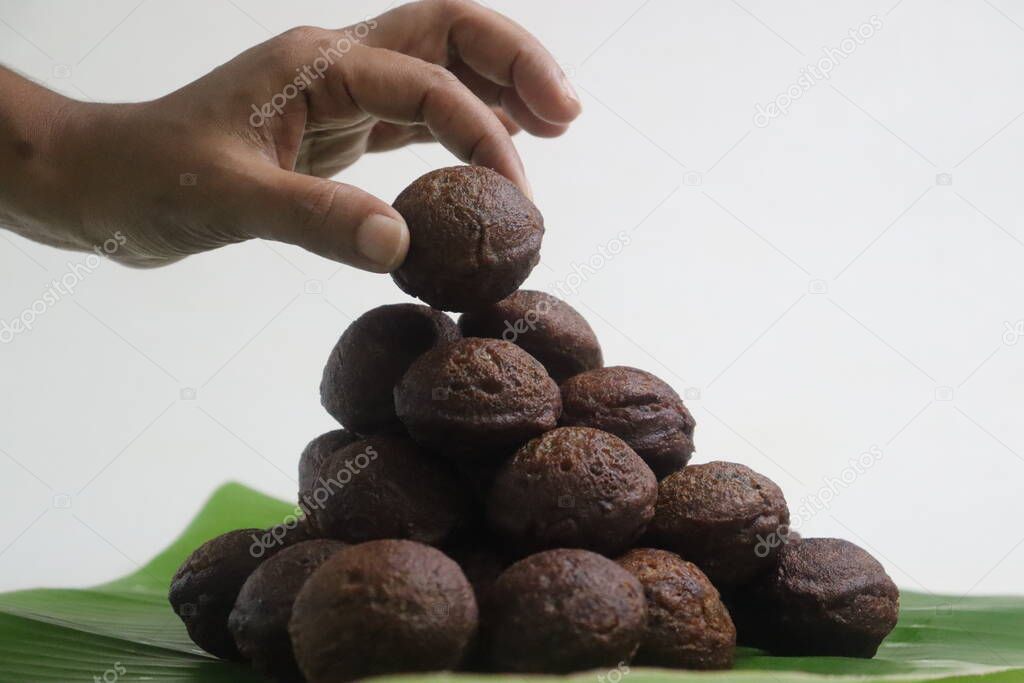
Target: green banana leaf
<point>125,631</point>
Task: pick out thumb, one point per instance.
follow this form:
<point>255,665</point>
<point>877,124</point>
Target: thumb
<point>335,220</point>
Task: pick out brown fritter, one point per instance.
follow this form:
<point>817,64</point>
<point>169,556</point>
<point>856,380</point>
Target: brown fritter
<point>259,620</point>
<point>473,238</point>
<point>314,453</point>
<point>826,597</point>
<point>561,611</point>
<point>385,487</point>
<point>636,406</point>
<point>718,515</point>
<point>382,607</point>
<point>373,353</point>
<point>477,399</point>
<point>204,588</point>
<point>546,327</point>
<point>688,627</point>
<point>573,487</point>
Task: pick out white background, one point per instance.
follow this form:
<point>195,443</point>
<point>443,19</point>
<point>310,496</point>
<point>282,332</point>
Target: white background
<point>816,287</point>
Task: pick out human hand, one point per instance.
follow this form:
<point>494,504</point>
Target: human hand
<point>245,151</point>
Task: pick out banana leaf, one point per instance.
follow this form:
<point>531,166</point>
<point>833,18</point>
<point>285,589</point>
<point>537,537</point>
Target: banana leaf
<point>125,631</point>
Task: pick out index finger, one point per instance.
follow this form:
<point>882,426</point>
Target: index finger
<point>397,88</point>
<point>498,49</point>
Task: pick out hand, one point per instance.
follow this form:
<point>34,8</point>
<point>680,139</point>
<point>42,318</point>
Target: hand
<point>244,151</point>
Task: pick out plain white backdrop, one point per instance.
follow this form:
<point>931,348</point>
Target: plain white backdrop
<point>845,280</point>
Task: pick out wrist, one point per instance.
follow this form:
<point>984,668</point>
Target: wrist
<point>84,146</point>
<point>43,162</point>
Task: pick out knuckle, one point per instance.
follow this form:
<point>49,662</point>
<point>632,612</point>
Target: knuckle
<point>440,76</point>
<point>317,206</point>
<point>301,37</point>
<point>448,8</point>
<point>486,144</point>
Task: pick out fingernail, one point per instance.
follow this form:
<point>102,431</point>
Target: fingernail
<point>570,91</point>
<point>383,240</point>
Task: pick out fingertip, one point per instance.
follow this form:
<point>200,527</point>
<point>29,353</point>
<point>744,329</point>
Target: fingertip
<point>573,105</point>
<point>562,105</point>
<point>383,241</point>
<point>507,54</point>
<point>524,116</point>
<point>546,89</point>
